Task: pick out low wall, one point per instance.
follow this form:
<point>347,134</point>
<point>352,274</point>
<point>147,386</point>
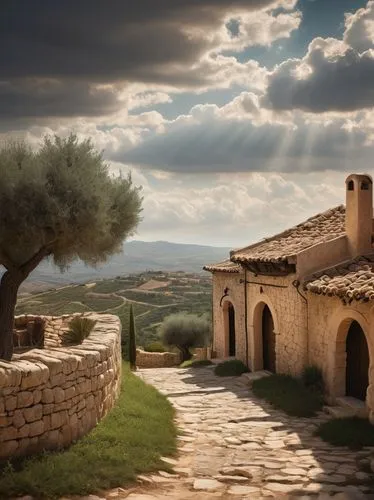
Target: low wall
<point>50,397</point>
<point>156,359</point>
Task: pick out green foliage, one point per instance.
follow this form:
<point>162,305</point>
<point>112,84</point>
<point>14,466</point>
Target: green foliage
<point>230,368</point>
<point>188,330</point>
<point>185,331</point>
<point>132,340</point>
<point>353,432</point>
<point>63,196</point>
<point>288,394</point>
<point>313,379</point>
<point>79,329</point>
<point>155,346</point>
<point>129,441</point>
<point>196,363</point>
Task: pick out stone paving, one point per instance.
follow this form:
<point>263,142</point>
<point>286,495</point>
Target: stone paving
<point>235,446</point>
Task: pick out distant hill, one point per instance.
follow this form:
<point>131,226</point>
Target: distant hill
<point>137,256</point>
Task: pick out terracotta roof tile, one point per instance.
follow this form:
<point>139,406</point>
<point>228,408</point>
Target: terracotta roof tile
<point>226,266</point>
<point>351,280</point>
<point>319,228</point>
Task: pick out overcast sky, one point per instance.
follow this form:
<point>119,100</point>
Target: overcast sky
<point>239,118</point>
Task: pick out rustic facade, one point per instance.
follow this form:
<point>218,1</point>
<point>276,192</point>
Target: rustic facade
<point>305,297</point>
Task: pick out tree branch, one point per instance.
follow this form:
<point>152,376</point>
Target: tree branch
<point>6,261</point>
<point>35,260</point>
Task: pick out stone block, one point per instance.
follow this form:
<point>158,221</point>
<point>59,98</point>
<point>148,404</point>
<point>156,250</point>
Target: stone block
<point>10,403</point>
<point>48,409</point>
<point>33,413</point>
<point>58,394</point>
<point>37,396</point>
<point>36,428</point>
<point>70,392</point>
<point>18,420</point>
<point>47,396</point>
<point>8,433</point>
<point>8,448</point>
<point>24,399</point>
<point>24,431</point>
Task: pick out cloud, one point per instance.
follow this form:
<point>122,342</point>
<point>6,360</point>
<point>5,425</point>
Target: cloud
<point>76,58</point>
<point>359,32</point>
<point>245,207</point>
<point>242,137</point>
<point>335,75</point>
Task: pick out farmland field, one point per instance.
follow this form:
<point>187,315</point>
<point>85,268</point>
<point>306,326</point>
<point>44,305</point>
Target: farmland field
<point>177,292</point>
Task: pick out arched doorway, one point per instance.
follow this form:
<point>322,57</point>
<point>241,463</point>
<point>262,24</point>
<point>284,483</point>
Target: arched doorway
<point>357,362</point>
<point>231,330</point>
<point>268,340</point>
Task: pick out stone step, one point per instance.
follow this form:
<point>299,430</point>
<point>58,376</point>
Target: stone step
<point>346,406</point>
<point>338,411</point>
<point>356,405</point>
<point>249,378</point>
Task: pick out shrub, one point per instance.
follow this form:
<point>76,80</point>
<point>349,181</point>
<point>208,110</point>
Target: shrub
<point>196,363</point>
<point>288,394</point>
<point>353,432</point>
<point>313,379</point>
<point>185,331</point>
<point>155,346</point>
<point>230,368</point>
<point>79,329</point>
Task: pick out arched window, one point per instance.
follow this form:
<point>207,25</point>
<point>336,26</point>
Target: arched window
<point>351,186</point>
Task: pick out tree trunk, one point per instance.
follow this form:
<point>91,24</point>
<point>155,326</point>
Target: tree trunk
<point>186,355</point>
<point>8,298</point>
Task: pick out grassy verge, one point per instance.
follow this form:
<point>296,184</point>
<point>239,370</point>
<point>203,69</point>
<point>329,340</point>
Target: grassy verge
<point>352,432</point>
<point>129,441</point>
<point>230,368</point>
<point>288,394</point>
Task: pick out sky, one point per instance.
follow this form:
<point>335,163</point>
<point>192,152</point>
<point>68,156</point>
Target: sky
<point>239,118</point>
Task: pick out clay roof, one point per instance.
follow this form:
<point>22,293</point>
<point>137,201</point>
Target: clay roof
<point>319,228</point>
<point>226,267</point>
<point>351,280</point>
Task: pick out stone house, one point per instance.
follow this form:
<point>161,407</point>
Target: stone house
<point>306,297</point>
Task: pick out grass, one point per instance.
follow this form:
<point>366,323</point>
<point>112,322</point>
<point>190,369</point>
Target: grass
<point>230,368</point>
<point>196,363</point>
<point>288,394</point>
<point>353,432</point>
<point>129,441</point>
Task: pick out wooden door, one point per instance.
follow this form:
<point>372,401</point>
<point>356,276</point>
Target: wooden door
<point>357,367</point>
<point>232,346</point>
<point>268,340</point>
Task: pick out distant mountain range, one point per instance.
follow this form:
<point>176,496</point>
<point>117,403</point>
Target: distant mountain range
<point>137,256</point>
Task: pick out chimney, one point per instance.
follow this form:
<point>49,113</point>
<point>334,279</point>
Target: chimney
<point>359,213</point>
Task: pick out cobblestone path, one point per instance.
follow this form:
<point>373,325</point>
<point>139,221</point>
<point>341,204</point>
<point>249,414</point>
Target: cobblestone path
<point>235,446</point>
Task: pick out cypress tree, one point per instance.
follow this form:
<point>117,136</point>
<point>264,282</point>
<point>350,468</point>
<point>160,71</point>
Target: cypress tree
<point>132,340</point>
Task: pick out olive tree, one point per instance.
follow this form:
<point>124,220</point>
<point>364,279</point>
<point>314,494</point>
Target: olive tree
<point>185,331</point>
<point>59,202</point>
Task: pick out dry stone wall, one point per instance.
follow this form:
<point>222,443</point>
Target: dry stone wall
<point>156,359</point>
<point>51,397</point>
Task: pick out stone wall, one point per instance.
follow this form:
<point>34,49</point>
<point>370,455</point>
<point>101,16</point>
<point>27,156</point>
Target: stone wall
<point>50,397</point>
<point>289,313</point>
<point>156,359</point>
<point>329,321</point>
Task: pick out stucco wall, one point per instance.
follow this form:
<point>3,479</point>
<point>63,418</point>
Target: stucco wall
<point>50,397</point>
<point>289,314</point>
<point>328,322</point>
